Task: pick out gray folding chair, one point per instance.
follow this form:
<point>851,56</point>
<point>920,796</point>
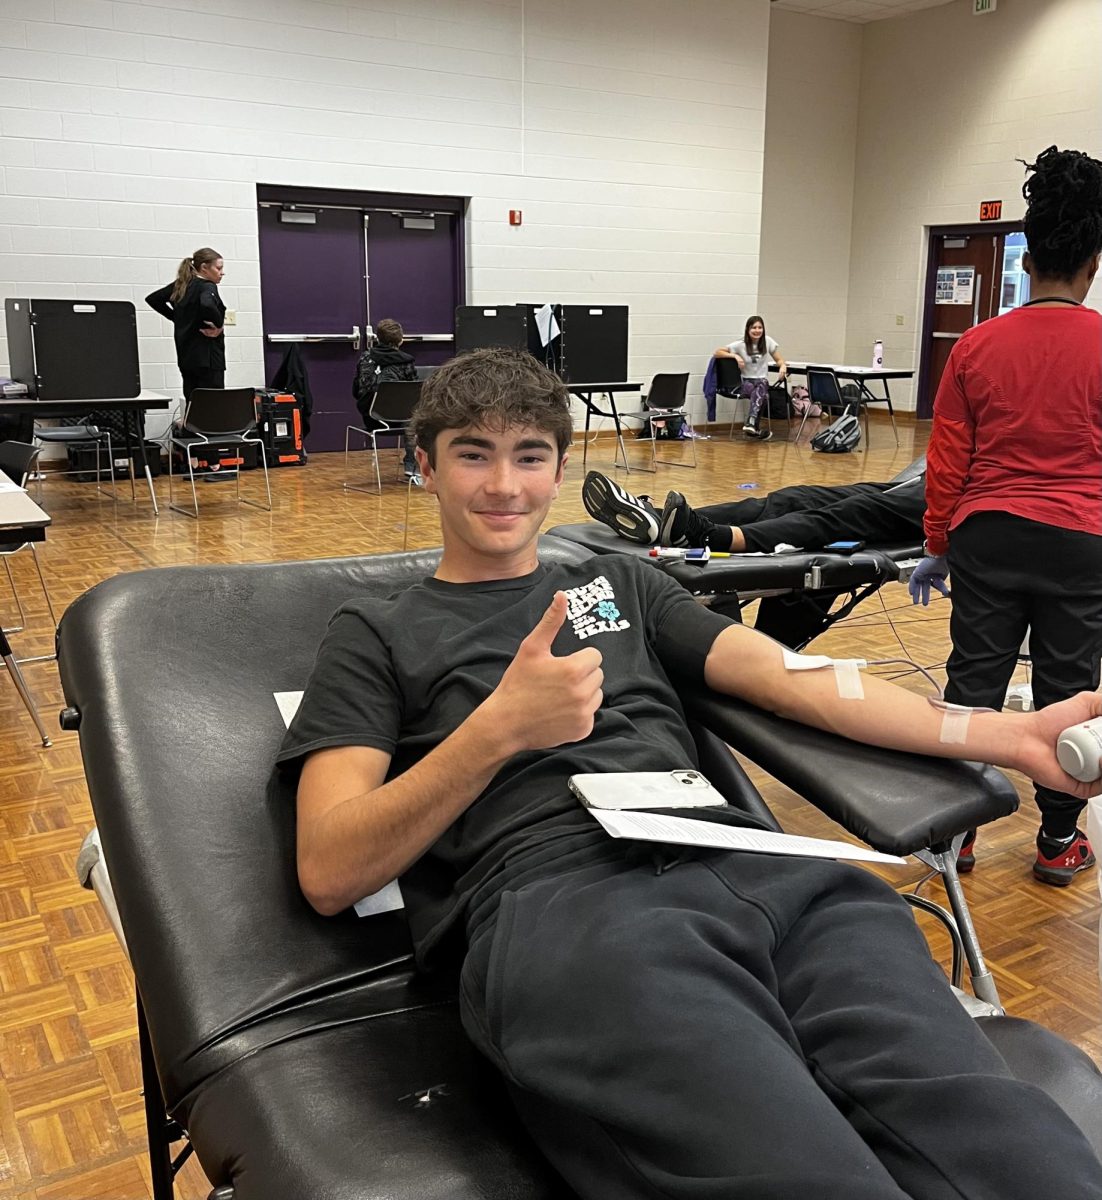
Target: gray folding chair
<point>91,436</point>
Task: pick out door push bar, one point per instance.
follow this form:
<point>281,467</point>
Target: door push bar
<point>353,337</point>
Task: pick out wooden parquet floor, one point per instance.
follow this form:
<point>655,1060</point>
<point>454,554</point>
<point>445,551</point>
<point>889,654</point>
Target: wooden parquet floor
<point>71,1123</point>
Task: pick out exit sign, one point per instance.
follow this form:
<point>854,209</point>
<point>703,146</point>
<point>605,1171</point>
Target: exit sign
<point>990,210</point>
<point>979,7</point>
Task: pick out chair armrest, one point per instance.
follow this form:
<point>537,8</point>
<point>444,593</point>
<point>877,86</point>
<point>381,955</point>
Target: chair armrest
<point>800,570</point>
<point>895,802</point>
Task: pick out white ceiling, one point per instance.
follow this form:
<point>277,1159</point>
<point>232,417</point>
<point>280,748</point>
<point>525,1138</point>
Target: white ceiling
<point>858,11</point>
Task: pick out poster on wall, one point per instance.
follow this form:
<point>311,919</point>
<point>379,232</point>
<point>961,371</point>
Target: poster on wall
<point>955,285</point>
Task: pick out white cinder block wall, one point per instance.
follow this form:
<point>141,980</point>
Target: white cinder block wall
<point>948,102</point>
<point>807,191</point>
<point>133,132</point>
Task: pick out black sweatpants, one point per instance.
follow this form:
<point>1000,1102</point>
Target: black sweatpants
<point>813,516</point>
<point>745,1026</point>
<point>202,379</point>
<point>1007,575</point>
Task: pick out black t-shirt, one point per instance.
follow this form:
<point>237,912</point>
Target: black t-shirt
<point>401,674</point>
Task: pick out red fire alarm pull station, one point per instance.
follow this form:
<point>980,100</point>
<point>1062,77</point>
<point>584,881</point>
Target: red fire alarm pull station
<point>991,210</point>
<point>515,216</point>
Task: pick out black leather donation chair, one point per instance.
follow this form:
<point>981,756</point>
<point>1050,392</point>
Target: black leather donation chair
<point>301,1055</point>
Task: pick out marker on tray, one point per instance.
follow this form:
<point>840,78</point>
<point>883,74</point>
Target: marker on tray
<point>687,553</point>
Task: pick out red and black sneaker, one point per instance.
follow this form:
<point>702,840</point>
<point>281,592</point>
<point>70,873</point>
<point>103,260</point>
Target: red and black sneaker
<point>1057,861</point>
<point>966,855</point>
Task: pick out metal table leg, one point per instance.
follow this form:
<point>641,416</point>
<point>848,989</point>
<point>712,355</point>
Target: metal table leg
<point>140,447</point>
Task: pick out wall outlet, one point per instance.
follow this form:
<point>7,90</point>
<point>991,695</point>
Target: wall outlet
<point>898,319</point>
<point>230,317</point>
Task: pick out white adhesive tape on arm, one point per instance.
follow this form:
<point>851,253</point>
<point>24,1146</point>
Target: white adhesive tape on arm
<point>847,677</point>
<point>847,671</point>
<point>954,721</point>
<point>805,662</point>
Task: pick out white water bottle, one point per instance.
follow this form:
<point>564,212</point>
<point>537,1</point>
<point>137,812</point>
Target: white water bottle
<point>1079,749</point>
<point>877,354</point>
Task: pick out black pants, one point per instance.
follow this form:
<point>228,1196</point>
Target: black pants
<point>746,1026</point>
<point>1008,575</point>
<point>202,379</point>
<point>811,517</point>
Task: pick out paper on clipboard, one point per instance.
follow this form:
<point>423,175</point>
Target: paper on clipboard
<point>546,324</point>
<point>686,831</point>
<point>387,898</point>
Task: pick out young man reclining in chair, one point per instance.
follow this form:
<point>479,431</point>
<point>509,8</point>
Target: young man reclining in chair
<point>804,515</point>
<point>669,1023</point>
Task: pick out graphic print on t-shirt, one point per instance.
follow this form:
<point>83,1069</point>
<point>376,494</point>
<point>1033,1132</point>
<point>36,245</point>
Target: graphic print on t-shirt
<point>592,609</point>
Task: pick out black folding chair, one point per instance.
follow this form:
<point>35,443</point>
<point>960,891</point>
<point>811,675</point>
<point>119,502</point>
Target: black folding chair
<point>392,406</point>
<point>218,419</point>
<point>664,401</point>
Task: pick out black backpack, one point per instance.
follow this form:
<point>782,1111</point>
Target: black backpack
<point>842,435</point>
<point>369,375</point>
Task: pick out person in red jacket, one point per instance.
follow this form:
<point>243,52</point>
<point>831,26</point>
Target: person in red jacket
<point>1014,484</point>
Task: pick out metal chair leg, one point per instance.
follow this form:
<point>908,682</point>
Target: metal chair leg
<point>45,589</point>
<point>944,861</point>
<point>21,687</point>
<point>267,485</point>
<point>405,527</point>
<point>355,487</point>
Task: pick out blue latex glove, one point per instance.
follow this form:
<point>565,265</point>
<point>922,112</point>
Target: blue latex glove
<point>932,571</point>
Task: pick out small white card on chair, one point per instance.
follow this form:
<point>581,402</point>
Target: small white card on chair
<point>688,831</point>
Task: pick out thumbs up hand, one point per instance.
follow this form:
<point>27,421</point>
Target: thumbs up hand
<point>544,701</point>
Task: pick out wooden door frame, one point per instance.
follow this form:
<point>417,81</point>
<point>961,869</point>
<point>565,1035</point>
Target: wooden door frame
<point>995,228</point>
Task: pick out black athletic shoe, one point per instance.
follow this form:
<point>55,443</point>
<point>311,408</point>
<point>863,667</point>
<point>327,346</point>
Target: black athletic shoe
<point>633,518</point>
<point>681,525</point>
<point>760,435</point>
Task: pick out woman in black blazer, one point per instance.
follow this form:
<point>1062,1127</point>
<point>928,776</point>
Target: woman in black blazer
<point>191,302</point>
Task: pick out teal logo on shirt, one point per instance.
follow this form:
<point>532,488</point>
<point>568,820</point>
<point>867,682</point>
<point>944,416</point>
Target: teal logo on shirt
<point>591,609</point>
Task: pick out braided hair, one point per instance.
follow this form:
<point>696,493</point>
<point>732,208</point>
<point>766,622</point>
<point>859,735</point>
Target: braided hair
<point>1063,219</point>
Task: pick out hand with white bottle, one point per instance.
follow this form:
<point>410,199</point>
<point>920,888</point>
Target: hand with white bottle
<point>1079,750</point>
<point>1058,747</point>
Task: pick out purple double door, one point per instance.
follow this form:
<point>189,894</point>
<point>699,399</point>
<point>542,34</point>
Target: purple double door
<point>325,282</point>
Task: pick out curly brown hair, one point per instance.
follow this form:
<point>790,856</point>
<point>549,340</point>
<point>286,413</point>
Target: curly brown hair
<point>493,389</point>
